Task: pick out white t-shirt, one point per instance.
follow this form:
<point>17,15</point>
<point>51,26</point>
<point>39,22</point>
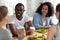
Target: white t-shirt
<point>18,24</point>
<point>44,23</point>
<point>54,19</point>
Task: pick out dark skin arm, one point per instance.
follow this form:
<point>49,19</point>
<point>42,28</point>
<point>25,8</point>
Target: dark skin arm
<point>18,32</point>
<point>29,23</point>
<point>11,26</point>
<point>14,32</point>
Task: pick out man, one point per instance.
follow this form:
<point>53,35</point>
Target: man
<point>54,32</point>
<point>17,21</point>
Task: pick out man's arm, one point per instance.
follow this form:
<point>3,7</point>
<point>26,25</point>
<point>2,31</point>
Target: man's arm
<point>29,28</point>
<point>30,24</point>
<point>21,33</point>
<point>13,30</point>
<point>18,32</point>
<point>52,32</point>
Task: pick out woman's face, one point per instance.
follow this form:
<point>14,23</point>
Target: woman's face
<point>44,10</point>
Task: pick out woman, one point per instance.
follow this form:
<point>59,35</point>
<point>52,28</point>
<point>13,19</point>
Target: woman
<point>55,30</point>
<point>42,17</point>
<point>4,33</point>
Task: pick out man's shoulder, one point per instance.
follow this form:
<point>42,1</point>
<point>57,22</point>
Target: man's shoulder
<point>6,32</point>
<point>5,35</point>
<point>25,16</point>
<point>11,19</point>
<point>12,16</point>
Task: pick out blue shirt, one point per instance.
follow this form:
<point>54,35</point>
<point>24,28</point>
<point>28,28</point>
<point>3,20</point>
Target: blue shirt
<point>58,36</point>
<point>38,22</point>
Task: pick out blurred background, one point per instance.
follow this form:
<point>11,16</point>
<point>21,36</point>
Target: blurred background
<point>30,5</point>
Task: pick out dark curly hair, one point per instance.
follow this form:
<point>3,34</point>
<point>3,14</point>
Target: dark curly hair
<point>50,9</point>
<point>58,7</point>
<point>58,10</point>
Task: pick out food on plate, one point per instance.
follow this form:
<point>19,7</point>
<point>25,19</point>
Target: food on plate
<point>46,30</point>
<point>40,30</point>
<point>36,38</point>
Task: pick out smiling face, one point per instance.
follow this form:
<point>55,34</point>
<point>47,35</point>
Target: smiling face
<point>19,11</point>
<point>44,10</point>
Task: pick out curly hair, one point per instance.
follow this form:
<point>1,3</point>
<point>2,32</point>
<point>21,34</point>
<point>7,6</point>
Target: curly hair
<point>58,7</point>
<point>58,10</point>
<point>50,9</point>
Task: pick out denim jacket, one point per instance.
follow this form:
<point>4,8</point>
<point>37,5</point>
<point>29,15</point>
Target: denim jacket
<point>38,22</point>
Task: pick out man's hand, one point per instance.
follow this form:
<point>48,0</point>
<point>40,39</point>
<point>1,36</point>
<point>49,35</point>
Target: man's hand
<point>21,33</point>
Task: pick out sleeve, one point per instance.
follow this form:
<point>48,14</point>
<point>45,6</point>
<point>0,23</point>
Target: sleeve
<point>15,22</point>
<point>11,20</point>
<point>36,22</point>
<point>54,20</point>
<point>27,18</point>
